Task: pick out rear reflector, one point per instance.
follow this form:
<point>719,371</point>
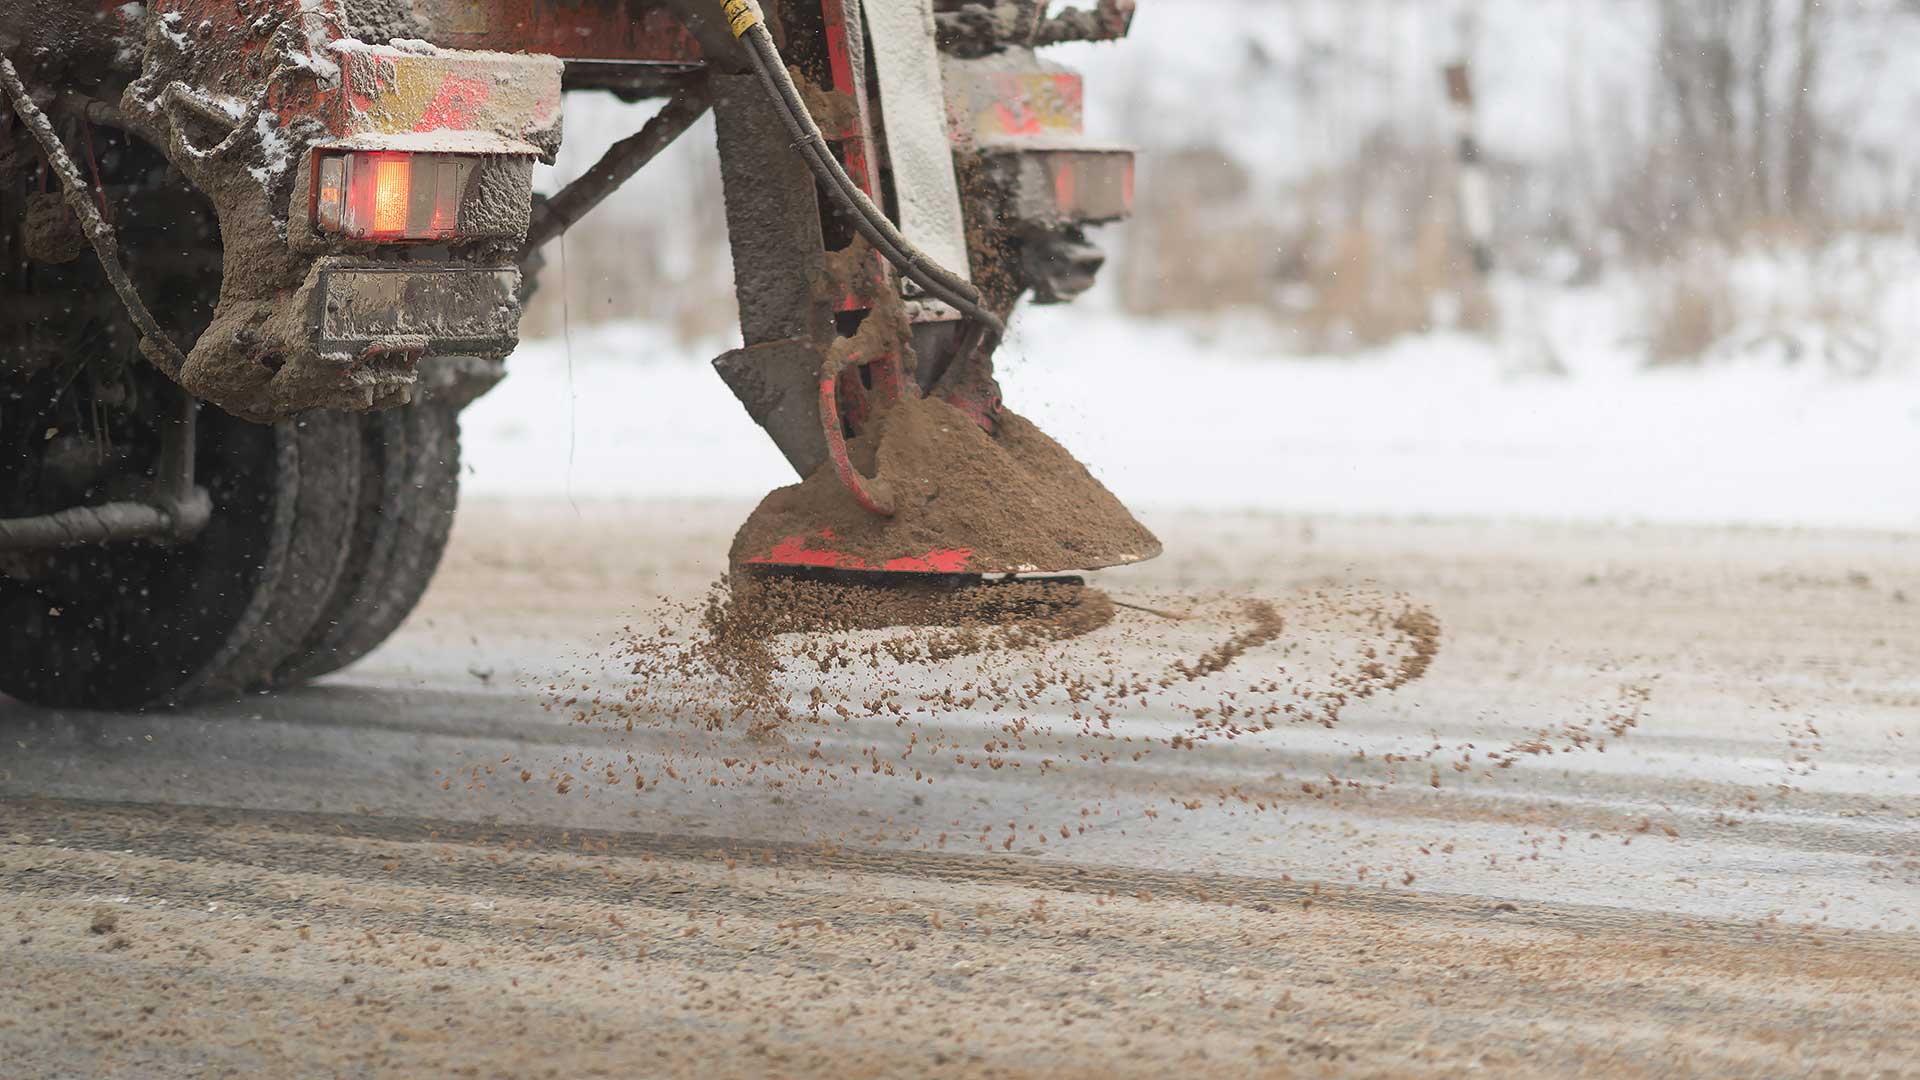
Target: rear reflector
<point>391,195</point>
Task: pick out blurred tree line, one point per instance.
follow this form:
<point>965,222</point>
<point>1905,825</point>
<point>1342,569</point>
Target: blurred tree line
<point>1634,136</point>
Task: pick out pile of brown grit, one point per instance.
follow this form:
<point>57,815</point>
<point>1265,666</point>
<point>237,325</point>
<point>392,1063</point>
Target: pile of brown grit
<point>1016,499</point>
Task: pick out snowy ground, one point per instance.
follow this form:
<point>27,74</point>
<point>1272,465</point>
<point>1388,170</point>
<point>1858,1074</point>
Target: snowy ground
<point>1169,418</point>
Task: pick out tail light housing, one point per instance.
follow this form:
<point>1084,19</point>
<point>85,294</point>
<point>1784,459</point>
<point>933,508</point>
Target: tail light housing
<point>398,196</point>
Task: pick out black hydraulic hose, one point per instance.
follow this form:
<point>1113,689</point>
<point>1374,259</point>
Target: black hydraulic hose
<point>867,219</point>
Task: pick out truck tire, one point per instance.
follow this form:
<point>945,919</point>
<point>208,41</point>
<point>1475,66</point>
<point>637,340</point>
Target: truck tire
<point>410,485</point>
<point>320,485</point>
<point>137,624</point>
<point>325,532</point>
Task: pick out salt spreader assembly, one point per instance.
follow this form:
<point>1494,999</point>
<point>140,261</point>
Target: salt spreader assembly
<point>256,255</point>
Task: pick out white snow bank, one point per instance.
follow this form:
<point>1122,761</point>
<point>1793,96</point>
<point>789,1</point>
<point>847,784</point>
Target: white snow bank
<point>1439,425</point>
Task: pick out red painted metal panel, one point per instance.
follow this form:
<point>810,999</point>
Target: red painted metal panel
<point>818,552</point>
<point>610,30</point>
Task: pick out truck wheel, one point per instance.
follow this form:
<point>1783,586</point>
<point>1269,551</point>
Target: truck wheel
<point>326,530</point>
<point>137,624</point>
<point>410,484</point>
<point>320,487</point>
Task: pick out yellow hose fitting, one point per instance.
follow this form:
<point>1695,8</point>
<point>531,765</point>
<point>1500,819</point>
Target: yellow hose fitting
<point>743,15</point>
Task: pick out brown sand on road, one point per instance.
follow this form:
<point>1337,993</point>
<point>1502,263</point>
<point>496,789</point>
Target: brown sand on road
<point>297,945</point>
<point>146,932</point>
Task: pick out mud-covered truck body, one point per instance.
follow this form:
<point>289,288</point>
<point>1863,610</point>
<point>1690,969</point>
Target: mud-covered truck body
<point>255,256</point>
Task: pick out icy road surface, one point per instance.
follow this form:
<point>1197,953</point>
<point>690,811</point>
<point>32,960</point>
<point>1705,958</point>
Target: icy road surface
<point>316,884</point>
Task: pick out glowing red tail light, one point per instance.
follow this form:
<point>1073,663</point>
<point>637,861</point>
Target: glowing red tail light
<point>390,195</point>
<point>390,184</point>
